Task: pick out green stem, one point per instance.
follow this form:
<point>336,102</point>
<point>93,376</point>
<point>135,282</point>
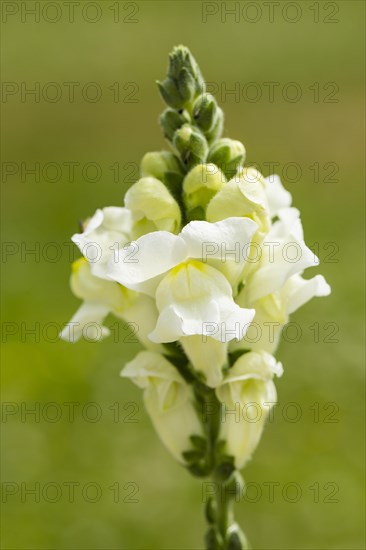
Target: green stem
<point>224,509</point>
<point>223,532</point>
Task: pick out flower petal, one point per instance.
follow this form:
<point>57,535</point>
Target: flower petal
<point>195,298</point>
<point>300,291</point>
<point>223,244</point>
<point>144,260</point>
<point>278,197</point>
<point>86,322</point>
<point>107,229</point>
<point>148,366</point>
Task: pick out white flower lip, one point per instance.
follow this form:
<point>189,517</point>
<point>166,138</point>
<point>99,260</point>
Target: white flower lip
<point>156,253</point>
<point>104,230</point>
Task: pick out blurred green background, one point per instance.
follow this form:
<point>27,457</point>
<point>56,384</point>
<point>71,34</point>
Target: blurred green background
<point>323,377</point>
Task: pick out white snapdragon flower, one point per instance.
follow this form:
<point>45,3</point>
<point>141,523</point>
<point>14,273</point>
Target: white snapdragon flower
<point>106,231</point>
<point>273,311</point>
<point>247,394</point>
<point>283,253</point>
<point>193,297</point>
<point>275,287</point>
<point>101,297</point>
<point>223,245</point>
<point>277,196</point>
<point>168,400</point>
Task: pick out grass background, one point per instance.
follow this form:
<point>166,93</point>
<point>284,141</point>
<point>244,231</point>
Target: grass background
<point>325,459</point>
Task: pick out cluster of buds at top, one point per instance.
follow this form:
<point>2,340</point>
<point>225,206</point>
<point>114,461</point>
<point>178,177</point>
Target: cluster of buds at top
<point>190,106</point>
<point>193,124</point>
<point>184,80</point>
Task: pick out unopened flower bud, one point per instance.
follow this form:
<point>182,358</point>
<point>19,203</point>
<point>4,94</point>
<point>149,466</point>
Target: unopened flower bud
<point>153,207</point>
<point>171,120</point>
<point>260,369</point>
<point>213,539</point>
<point>216,131</point>
<point>157,163</point>
<point>207,114</point>
<point>199,186</point>
<point>191,145</point>
<point>168,400</point>
<point>228,154</point>
<point>211,511</point>
<point>235,538</point>
<point>184,80</point>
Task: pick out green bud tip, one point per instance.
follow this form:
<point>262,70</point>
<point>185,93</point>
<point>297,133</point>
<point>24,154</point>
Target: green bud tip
<point>184,80</point>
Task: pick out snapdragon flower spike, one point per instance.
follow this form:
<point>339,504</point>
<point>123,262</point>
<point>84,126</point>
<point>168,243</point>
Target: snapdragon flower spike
<point>204,247</point>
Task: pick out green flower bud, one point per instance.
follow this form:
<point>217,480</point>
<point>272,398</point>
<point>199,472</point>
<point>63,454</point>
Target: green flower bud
<point>216,132</point>
<point>213,539</point>
<point>184,80</point>
<point>211,510</point>
<point>200,185</point>
<point>206,113</point>
<point>166,167</point>
<point>171,120</point>
<point>156,164</point>
<point>228,154</point>
<point>235,538</point>
<point>153,207</point>
<point>191,145</point>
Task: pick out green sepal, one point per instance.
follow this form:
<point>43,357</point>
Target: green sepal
<point>199,443</point>
<point>216,132</point>
<point>213,539</point>
<point>235,539</point>
<point>197,213</point>
<point>235,355</point>
<point>170,121</point>
<point>191,145</point>
<point>225,467</point>
<point>198,469</point>
<point>192,456</point>
<point>173,181</point>
<point>206,112</point>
